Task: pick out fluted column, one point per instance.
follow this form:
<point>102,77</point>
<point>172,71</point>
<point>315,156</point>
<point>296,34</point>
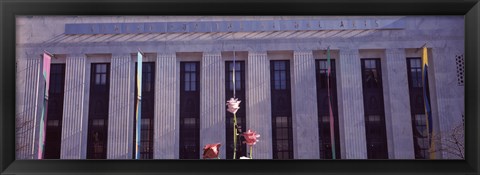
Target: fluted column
<point>28,117</point>
<point>352,102</point>
<point>20,83</point>
<point>305,114</point>
<point>75,116</point>
<point>167,116</point>
<point>447,100</point>
<point>259,114</point>
<point>397,98</point>
<point>121,108</point>
<point>212,101</point>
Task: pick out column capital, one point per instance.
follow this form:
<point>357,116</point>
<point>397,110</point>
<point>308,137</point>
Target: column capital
<point>257,53</point>
<point>76,55</point>
<point>116,55</point>
<point>255,47</point>
<point>349,51</point>
<point>212,54</point>
<point>166,53</point>
<point>303,52</point>
<point>395,50</point>
<point>211,47</point>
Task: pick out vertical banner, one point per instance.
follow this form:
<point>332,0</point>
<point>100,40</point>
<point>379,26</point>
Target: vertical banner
<point>428,111</point>
<point>46,77</point>
<point>138,113</point>
<point>332,121</point>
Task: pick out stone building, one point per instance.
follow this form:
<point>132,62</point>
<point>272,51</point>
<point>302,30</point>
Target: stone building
<point>280,65</point>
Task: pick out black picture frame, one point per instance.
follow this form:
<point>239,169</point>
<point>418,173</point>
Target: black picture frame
<point>9,9</point>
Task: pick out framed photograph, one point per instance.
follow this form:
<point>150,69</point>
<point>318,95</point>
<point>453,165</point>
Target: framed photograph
<point>295,87</point>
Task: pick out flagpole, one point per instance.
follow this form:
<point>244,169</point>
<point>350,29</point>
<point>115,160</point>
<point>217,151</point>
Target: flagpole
<point>234,114</point>
<point>234,87</point>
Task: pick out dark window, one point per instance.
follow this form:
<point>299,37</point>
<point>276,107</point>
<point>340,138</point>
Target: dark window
<point>189,110</point>
<point>239,79</point>
<point>53,135</point>
<point>148,96</point>
<point>282,139</point>
<point>101,74</point>
<point>190,79</point>
<point>375,129</point>
<point>323,109</point>
<point>420,136</point>
<point>280,75</point>
<point>371,75</point>
<point>240,94</point>
<point>98,111</point>
<point>419,126</point>
<point>415,72</point>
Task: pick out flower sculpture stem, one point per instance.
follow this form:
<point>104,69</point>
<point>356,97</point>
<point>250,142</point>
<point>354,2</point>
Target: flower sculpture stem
<point>233,106</point>
<point>234,135</point>
<point>251,150</point>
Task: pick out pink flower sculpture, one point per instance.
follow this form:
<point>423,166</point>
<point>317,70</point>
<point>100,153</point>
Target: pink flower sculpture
<point>233,105</point>
<point>211,151</point>
<point>250,137</point>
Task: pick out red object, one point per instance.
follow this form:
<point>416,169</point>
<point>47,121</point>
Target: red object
<point>211,151</point>
<point>251,137</point>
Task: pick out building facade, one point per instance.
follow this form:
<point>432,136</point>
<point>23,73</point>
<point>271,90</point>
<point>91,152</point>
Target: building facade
<point>281,75</point>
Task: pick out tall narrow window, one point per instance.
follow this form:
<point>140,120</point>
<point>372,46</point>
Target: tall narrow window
<point>189,110</point>
<point>53,136</point>
<point>148,96</point>
<point>282,139</point>
<point>240,94</point>
<point>419,125</point>
<point>98,111</point>
<point>324,109</point>
<point>375,129</point>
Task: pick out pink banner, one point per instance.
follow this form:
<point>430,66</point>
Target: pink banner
<point>46,70</point>
<point>46,76</point>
